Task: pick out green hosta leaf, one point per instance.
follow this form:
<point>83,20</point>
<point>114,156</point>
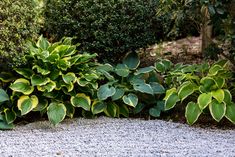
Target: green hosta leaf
<point>204,100</point>
<point>130,99</point>
<point>105,91</point>
<point>144,70</point>
<point>82,82</point>
<point>169,92</point>
<point>53,58</point>
<point>155,112</point>
<point>206,84</point>
<point>123,110</point>
<point>171,101</point>
<point>38,80</point>
<point>139,107</point>
<point>81,100</point>
<point>55,74</point>
<point>27,73</point>
<point>167,64</point>
<point>132,61</point>
<point>217,110</point>
<point>160,67</point>
<point>227,97</point>
<point>192,112</point>
<point>157,88</point>
<point>3,96</point>
<point>118,94</point>
<point>42,104</point>
<point>5,126</point>
<point>90,77</point>
<point>218,95</point>
<point>143,88</point>
<point>106,67</point>
<point>49,87</point>
<point>230,112</point>
<point>69,87</point>
<point>185,90</point>
<point>10,116</point>
<point>63,64</point>
<point>50,95</point>
<point>219,82</point>
<point>70,110</point>
<point>111,109</point>
<point>41,70</point>
<point>122,70</point>
<point>26,104</point>
<point>107,75</point>
<point>42,43</point>
<point>98,107</point>
<point>69,78</point>
<point>215,69</point>
<point>6,77</point>
<point>56,112</point>
<point>23,86</point>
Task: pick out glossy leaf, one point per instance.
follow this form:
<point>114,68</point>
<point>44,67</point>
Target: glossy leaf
<point>218,95</point>
<point>27,73</point>
<point>23,86</point>
<point>81,100</point>
<point>130,99</point>
<point>56,112</point>
<point>69,78</point>
<point>26,104</point>
<point>230,112</point>
<point>10,116</point>
<point>111,109</point>
<point>192,112</point>
<point>38,80</point>
<point>204,100</point>
<point>98,107</point>
<point>217,110</point>
<point>171,101</point>
<point>185,90</point>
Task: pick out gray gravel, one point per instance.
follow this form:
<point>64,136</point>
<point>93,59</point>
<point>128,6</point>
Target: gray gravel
<point>115,137</point>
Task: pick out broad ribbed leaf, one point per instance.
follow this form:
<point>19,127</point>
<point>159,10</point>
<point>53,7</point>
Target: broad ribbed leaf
<point>106,67</point>
<point>81,100</point>
<point>70,110</point>
<point>123,110</point>
<point>5,126</point>
<point>27,73</point>
<point>227,97</point>
<point>6,77</point>
<point>38,80</point>
<point>160,67</point>
<point>155,112</point>
<point>49,87</point>
<point>204,100</point>
<point>23,86</point>
<point>169,92</point>
<point>105,91</point>
<point>230,112</point>
<point>42,43</point>
<point>192,112</point>
<point>143,88</point>
<point>217,110</point>
<point>82,82</point>
<point>118,94</point>
<point>185,90</point>
<point>98,107</point>
<point>218,95</point>
<point>90,77</point>
<point>69,78</point>
<point>144,70</point>
<point>215,69</point>
<point>219,82</point>
<point>122,70</point>
<point>26,104</point>
<point>171,101</point>
<point>10,116</point>
<point>207,84</point>
<point>157,88</point>
<point>111,109</point>
<point>63,64</point>
<point>3,96</point>
<point>56,112</point>
<point>132,61</point>
<point>41,70</point>
<point>130,99</point>
<point>42,104</point>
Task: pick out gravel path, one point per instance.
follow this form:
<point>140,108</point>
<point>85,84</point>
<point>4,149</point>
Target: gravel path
<point>115,137</point>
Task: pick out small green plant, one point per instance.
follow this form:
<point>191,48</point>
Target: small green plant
<point>204,87</point>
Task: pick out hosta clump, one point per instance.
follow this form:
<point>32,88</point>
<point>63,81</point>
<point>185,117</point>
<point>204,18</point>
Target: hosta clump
<point>57,79</point>
<point>130,86</point>
<point>205,86</point>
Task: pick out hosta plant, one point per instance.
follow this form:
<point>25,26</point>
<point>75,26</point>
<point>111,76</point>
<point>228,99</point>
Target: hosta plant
<point>57,80</point>
<point>130,86</point>
<point>205,87</point>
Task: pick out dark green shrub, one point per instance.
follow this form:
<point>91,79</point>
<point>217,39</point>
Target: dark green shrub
<point>107,27</point>
<point>18,21</point>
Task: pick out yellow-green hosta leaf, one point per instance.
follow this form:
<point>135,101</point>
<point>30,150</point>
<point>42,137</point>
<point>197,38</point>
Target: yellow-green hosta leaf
<point>10,115</point>
<point>169,92</point>
<point>90,77</point>
<point>192,112</point>
<point>81,100</point>
<point>55,74</point>
<point>227,97</point>
<point>130,99</point>
<point>230,112</point>
<point>56,112</point>
<point>204,100</point>
<point>41,70</point>
<point>160,67</point>
<point>111,109</point>
<point>171,101</point>
<point>185,90</point>
<point>82,82</point>
<point>27,73</point>
<point>118,94</point>
<point>98,107</point>
<point>38,80</point>
<point>23,86</point>
<point>217,110</point>
<point>206,84</point>
<point>69,86</point>
<point>219,82</point>
<point>218,95</point>
<point>6,77</point>
<point>42,43</point>
<point>215,69</point>
<point>42,104</point>
<point>63,64</point>
<point>26,104</point>
<point>105,91</point>
<point>132,60</point>
<point>106,67</point>
<point>69,78</point>
<point>3,96</point>
<point>49,87</point>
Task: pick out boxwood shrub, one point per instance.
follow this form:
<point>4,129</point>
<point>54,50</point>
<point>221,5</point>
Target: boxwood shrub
<point>110,28</point>
<point>18,21</point>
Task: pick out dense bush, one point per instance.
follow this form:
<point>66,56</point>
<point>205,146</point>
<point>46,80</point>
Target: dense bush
<point>18,22</point>
<point>107,27</point>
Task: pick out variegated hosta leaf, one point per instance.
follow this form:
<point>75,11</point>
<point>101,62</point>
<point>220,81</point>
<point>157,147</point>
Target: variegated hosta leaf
<point>144,70</point>
<point>171,101</point>
<point>41,70</point>
<point>219,82</point>
<point>70,110</point>
<point>227,97</point>
<point>130,99</point>
<point>105,91</point>
<point>215,69</point>
<point>132,60</point>
<point>42,43</point>
<point>63,64</point>
<point>217,110</point>
<point>49,87</point>
<point>27,73</point>
<point>157,88</point>
<point>230,112</point>
<point>6,77</point>
<point>3,96</point>
<point>143,88</point>
<point>111,109</point>
<point>98,107</point>
<point>26,104</point>
<point>42,104</point>
<point>10,115</point>
<point>65,50</point>
<point>23,86</point>
<point>38,80</point>
<point>4,125</point>
<point>192,112</point>
<point>123,110</point>
<point>69,78</point>
<point>55,74</point>
<point>82,82</point>
<point>160,67</point>
<point>81,100</point>
<point>106,67</point>
<point>185,90</point>
<point>218,95</point>
<point>204,100</point>
<point>206,84</point>
<point>56,112</point>
<point>69,86</point>
<point>53,58</point>
<point>169,92</point>
<point>118,94</point>
<point>122,70</point>
<point>90,77</point>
